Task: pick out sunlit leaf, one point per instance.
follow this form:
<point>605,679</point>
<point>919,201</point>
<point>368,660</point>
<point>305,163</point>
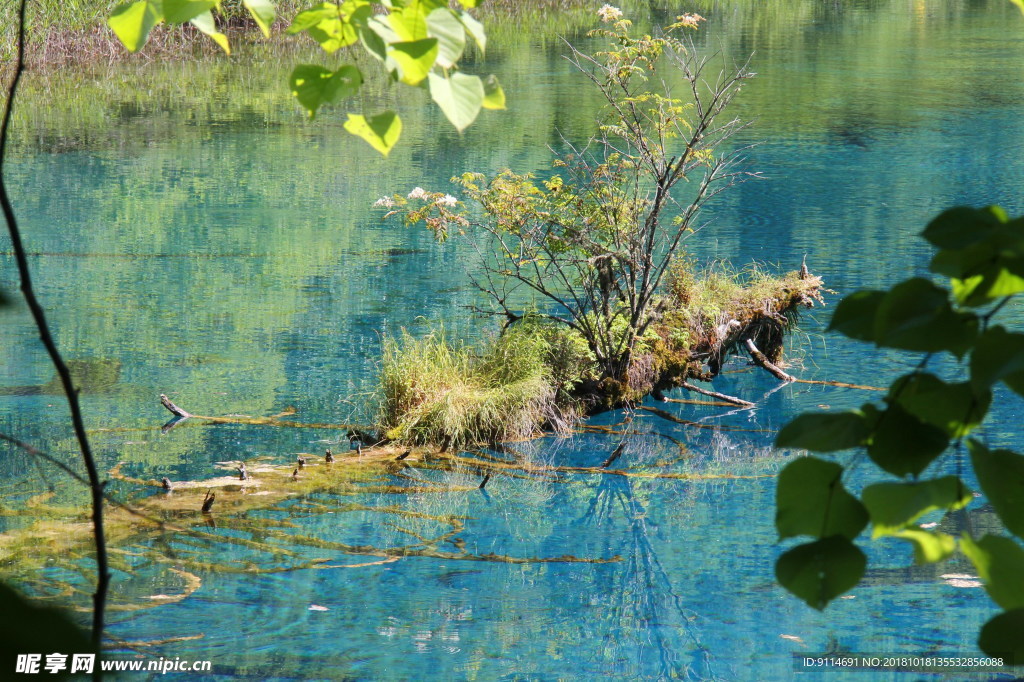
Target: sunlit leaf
<point>494,96</point>
<point>1001,636</point>
<point>180,11</point>
<point>315,86</point>
<point>998,355</point>
<point>1001,475</point>
<point>460,97</point>
<point>929,547</point>
<point>132,23</point>
<point>855,315</point>
<point>381,131</point>
<point>331,26</point>
<point>820,571</point>
<point>475,29</point>
<point>916,315</point>
<point>1000,563</point>
<point>470,4</point>
<point>824,431</point>
<point>263,13</point>
<point>901,443</point>
<point>415,59</point>
<point>204,22</point>
<point>451,36</point>
<point>894,506</point>
<point>810,500</point>
<point>955,408</point>
<point>409,23</point>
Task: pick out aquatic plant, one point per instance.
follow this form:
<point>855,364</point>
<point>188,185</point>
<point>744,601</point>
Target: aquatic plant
<point>596,249</point>
<point>432,391</point>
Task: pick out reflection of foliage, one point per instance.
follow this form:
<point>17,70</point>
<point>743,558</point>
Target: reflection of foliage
<point>982,254</point>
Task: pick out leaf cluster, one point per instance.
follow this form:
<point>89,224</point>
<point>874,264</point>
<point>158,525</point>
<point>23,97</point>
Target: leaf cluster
<point>981,252</point>
<point>417,42</point>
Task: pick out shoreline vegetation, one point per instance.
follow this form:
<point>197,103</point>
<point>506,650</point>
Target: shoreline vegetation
<point>61,34</point>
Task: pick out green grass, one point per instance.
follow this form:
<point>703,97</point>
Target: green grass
<point>433,391</point>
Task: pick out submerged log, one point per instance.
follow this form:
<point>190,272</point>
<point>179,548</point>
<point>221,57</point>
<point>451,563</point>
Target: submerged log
<point>764,363</point>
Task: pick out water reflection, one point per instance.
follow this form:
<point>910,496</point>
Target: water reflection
<point>199,239</point>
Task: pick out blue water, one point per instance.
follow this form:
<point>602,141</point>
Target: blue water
<point>238,267</point>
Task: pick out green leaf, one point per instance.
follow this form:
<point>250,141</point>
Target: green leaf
<point>810,500</point>
<point>28,628</point>
<point>894,506</point>
<point>824,431</point>
<point>180,11</point>
<point>820,571</point>
<point>263,13</point>
<point>916,315</point>
<point>410,23</point>
<point>962,226</point>
<point>956,408</point>
<point>1001,475</point>
<point>380,131</point>
<point>475,29</point>
<point>414,59</point>
<point>330,26</point>
<point>315,86</point>
<point>928,547</point>
<point>1000,563</point>
<point>131,23</point>
<point>451,36</point>
<point>204,22</point>
<point>374,45</point>
<point>1001,636</point>
<point>998,355</point>
<point>901,443</point>
<point>470,4</point>
<point>460,97</point>
<point>307,19</point>
<point>855,315</point>
<point>494,96</point>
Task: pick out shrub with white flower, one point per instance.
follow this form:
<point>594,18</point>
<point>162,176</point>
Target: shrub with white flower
<point>609,13</point>
<point>386,202</point>
<point>446,200</point>
<point>419,193</point>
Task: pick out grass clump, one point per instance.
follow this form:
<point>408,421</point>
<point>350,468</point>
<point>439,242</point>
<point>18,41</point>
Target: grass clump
<point>433,391</point>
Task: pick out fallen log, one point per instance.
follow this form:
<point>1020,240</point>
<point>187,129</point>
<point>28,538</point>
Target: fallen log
<point>764,363</point>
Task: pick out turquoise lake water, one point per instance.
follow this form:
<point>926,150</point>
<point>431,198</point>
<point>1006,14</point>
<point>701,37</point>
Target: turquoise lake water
<point>204,240</point>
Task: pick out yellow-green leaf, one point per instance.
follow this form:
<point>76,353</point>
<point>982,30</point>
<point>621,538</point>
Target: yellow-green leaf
<point>451,36</point>
<point>131,23</point>
<point>204,22</point>
<point>494,96</point>
<point>180,11</point>
<point>315,86</point>
<point>460,97</point>
<point>414,59</point>
<point>262,12</point>
<point>475,29</point>
<point>380,131</point>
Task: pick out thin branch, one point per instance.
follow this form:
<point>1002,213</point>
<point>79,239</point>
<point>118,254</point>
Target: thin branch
<point>39,316</point>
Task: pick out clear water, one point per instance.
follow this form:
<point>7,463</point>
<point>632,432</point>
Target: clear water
<point>223,251</point>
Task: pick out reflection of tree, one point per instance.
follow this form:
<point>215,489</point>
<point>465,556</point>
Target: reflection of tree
<point>644,599</point>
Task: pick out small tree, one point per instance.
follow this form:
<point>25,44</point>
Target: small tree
<point>591,245</point>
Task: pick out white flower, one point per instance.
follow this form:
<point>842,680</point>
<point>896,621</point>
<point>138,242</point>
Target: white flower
<point>446,200</point>
<point>418,193</point>
<point>385,201</point>
<point>690,20</point>
<point>609,13</point>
